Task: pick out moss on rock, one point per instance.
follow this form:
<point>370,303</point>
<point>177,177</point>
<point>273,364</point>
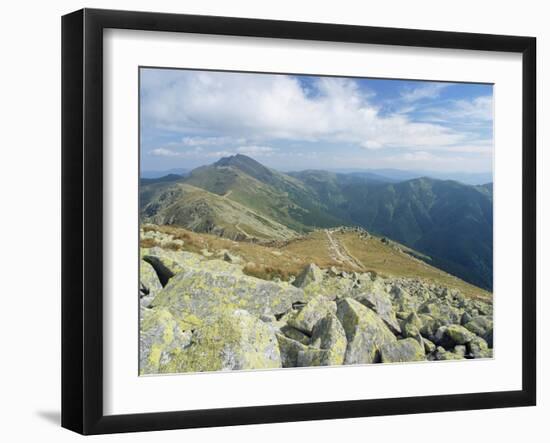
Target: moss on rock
<point>329,335</point>
<point>317,308</point>
<point>234,340</point>
<point>311,274</point>
<point>160,335</point>
<point>217,286</point>
<point>149,283</point>
<point>480,325</point>
<point>380,303</point>
<point>404,350</point>
<point>478,348</point>
<point>365,332</point>
<point>289,350</point>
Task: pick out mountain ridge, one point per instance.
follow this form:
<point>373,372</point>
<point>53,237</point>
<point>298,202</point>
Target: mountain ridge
<point>447,220</point>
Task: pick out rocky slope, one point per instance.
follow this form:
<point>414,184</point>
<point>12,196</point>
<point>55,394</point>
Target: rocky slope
<point>203,314</point>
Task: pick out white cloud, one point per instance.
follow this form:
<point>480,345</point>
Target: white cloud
<point>200,149</point>
<point>277,107</point>
<point>430,90</point>
<point>480,108</point>
<point>426,160</point>
<point>210,141</point>
<point>477,111</point>
<point>189,154</point>
<point>163,152</point>
<point>255,150</point>
<point>483,147</point>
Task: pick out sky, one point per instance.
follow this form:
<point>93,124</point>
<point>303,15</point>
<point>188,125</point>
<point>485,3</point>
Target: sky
<point>191,118</point>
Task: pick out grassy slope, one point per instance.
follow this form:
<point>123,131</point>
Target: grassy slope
<point>388,261</point>
<point>450,222</point>
<point>200,210</point>
<point>443,219</point>
<point>278,196</point>
<point>285,259</point>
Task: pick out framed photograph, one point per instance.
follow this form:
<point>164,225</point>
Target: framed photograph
<point>269,221</point>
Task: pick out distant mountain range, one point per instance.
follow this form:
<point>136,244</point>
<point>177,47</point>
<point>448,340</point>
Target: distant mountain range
<point>159,174</point>
<point>469,178</point>
<point>238,197</point>
<point>386,175</point>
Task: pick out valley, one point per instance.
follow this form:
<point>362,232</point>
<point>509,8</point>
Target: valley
<point>307,220</point>
<point>243,267</point>
<point>448,223</point>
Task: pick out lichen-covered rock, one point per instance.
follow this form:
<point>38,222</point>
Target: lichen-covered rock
<point>365,332</point>
<point>329,335</point>
<point>316,357</point>
<point>429,326</point>
<point>402,299</point>
<point>168,263</point>
<point>159,336</point>
<point>459,334</point>
<point>234,340</point>
<point>442,354</point>
<point>380,303</point>
<point>429,346</point>
<point>268,318</point>
<point>483,308</point>
<point>289,350</point>
<point>411,326</point>
<point>452,335</point>
<point>295,334</point>
<point>149,283</point>
<point>328,346</point>
<point>465,318</point>
<point>217,286</point>
<point>404,350</point>
<point>478,348</point>
<point>460,350</point>
<point>441,311</point>
<point>480,325</point>
<point>332,288</point>
<point>311,274</point>
<point>311,313</point>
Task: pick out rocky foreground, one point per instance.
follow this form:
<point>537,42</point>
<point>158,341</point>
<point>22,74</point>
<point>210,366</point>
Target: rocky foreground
<point>204,314</point>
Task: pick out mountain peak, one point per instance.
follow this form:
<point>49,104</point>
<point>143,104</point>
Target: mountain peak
<point>247,165</point>
<point>237,160</point>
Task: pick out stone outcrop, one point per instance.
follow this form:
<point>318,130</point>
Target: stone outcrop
<point>311,274</point>
<point>160,336</point>
<point>203,313</point>
<point>234,340</point>
<point>217,285</point>
<point>149,283</point>
<point>305,319</point>
<point>404,350</point>
<point>381,304</point>
<point>365,331</point>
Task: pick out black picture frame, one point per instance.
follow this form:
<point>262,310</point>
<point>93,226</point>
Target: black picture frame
<point>82,218</point>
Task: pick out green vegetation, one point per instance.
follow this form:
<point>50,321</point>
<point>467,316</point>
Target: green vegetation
<point>449,224</point>
<point>286,259</point>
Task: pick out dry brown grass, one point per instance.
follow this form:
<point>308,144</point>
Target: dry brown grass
<point>267,262</point>
<point>148,243</point>
<point>288,259</point>
<point>271,273</point>
<point>390,262</point>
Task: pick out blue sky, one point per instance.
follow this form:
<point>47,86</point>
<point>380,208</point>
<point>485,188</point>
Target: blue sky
<point>288,122</point>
